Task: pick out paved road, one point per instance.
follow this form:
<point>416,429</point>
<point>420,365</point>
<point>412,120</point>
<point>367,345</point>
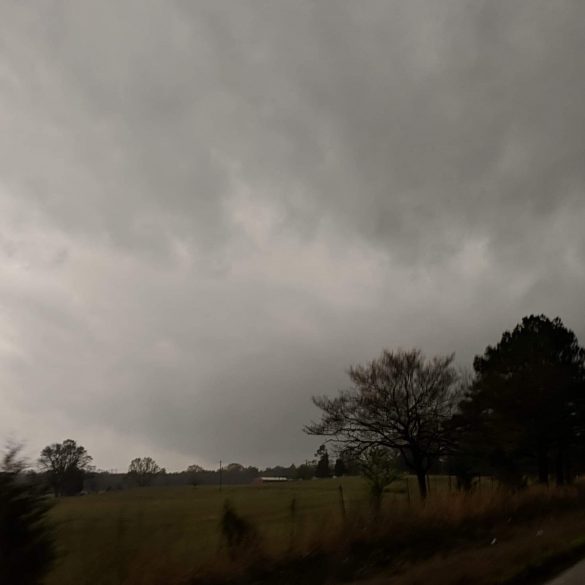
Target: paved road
<point>573,576</point>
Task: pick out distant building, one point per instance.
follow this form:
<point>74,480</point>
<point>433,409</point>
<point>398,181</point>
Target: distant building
<point>263,480</point>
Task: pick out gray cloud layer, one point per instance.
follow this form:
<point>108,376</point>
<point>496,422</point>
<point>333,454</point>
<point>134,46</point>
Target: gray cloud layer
<point>208,210</point>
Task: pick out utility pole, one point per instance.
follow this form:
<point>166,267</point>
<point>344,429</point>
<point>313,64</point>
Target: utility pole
<point>220,476</point>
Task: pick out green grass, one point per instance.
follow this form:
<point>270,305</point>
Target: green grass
<point>111,538</point>
<point>102,537</point>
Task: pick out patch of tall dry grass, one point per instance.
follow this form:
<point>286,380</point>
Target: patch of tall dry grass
<point>343,548</point>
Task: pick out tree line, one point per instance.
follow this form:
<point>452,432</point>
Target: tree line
<point>67,469</point>
<point>520,414</point>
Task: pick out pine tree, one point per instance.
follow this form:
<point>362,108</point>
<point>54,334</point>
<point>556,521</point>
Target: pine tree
<point>323,469</point>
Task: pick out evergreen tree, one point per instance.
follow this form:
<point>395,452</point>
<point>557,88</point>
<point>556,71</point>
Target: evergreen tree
<point>323,468</point>
<point>526,408</point>
<point>340,469</point>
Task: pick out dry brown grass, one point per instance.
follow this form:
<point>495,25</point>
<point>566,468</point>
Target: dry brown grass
<point>171,536</point>
<point>447,539</point>
<point>520,554</point>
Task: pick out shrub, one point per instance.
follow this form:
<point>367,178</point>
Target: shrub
<point>27,546</point>
<point>238,533</point>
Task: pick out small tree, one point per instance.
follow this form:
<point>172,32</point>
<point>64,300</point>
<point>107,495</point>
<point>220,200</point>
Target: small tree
<point>193,472</point>
<point>27,548</point>
<point>65,464</point>
<point>323,469</point>
<point>400,401</point>
<point>340,468</point>
<point>238,533</point>
<point>143,470</point>
<point>378,466</point>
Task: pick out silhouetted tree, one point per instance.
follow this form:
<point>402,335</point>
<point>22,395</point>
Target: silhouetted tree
<point>351,462</point>
<point>378,466</point>
<point>236,473</point>
<point>305,471</point>
<point>65,465</point>
<point>193,472</point>
<point>142,471</point>
<point>340,469</point>
<point>27,547</point>
<point>323,469</point>
<point>527,405</point>
<point>281,471</point>
<point>400,401</point>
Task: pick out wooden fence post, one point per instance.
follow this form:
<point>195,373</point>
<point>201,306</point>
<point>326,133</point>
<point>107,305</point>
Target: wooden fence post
<point>342,502</point>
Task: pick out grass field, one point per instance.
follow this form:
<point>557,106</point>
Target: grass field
<point>117,537</point>
<point>104,537</point>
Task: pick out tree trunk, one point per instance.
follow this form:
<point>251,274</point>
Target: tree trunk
<point>542,466</point>
<point>421,477</point>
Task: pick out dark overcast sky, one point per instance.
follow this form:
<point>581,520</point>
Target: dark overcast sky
<point>209,209</point>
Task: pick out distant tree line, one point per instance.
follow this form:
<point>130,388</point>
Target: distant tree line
<point>66,469</point>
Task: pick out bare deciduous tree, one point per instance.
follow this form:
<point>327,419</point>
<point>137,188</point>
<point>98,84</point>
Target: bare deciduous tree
<point>400,401</point>
<point>143,470</point>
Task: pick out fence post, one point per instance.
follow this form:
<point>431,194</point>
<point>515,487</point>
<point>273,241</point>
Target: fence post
<point>342,503</point>
<point>293,520</point>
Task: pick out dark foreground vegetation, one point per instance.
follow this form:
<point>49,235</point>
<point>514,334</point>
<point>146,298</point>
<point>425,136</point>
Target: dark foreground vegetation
<point>27,546</point>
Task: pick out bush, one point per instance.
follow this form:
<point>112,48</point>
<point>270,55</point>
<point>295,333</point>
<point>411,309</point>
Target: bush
<point>27,547</point>
<point>239,534</point>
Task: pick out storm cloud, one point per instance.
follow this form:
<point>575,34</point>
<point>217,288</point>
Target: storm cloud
<point>209,210</point>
